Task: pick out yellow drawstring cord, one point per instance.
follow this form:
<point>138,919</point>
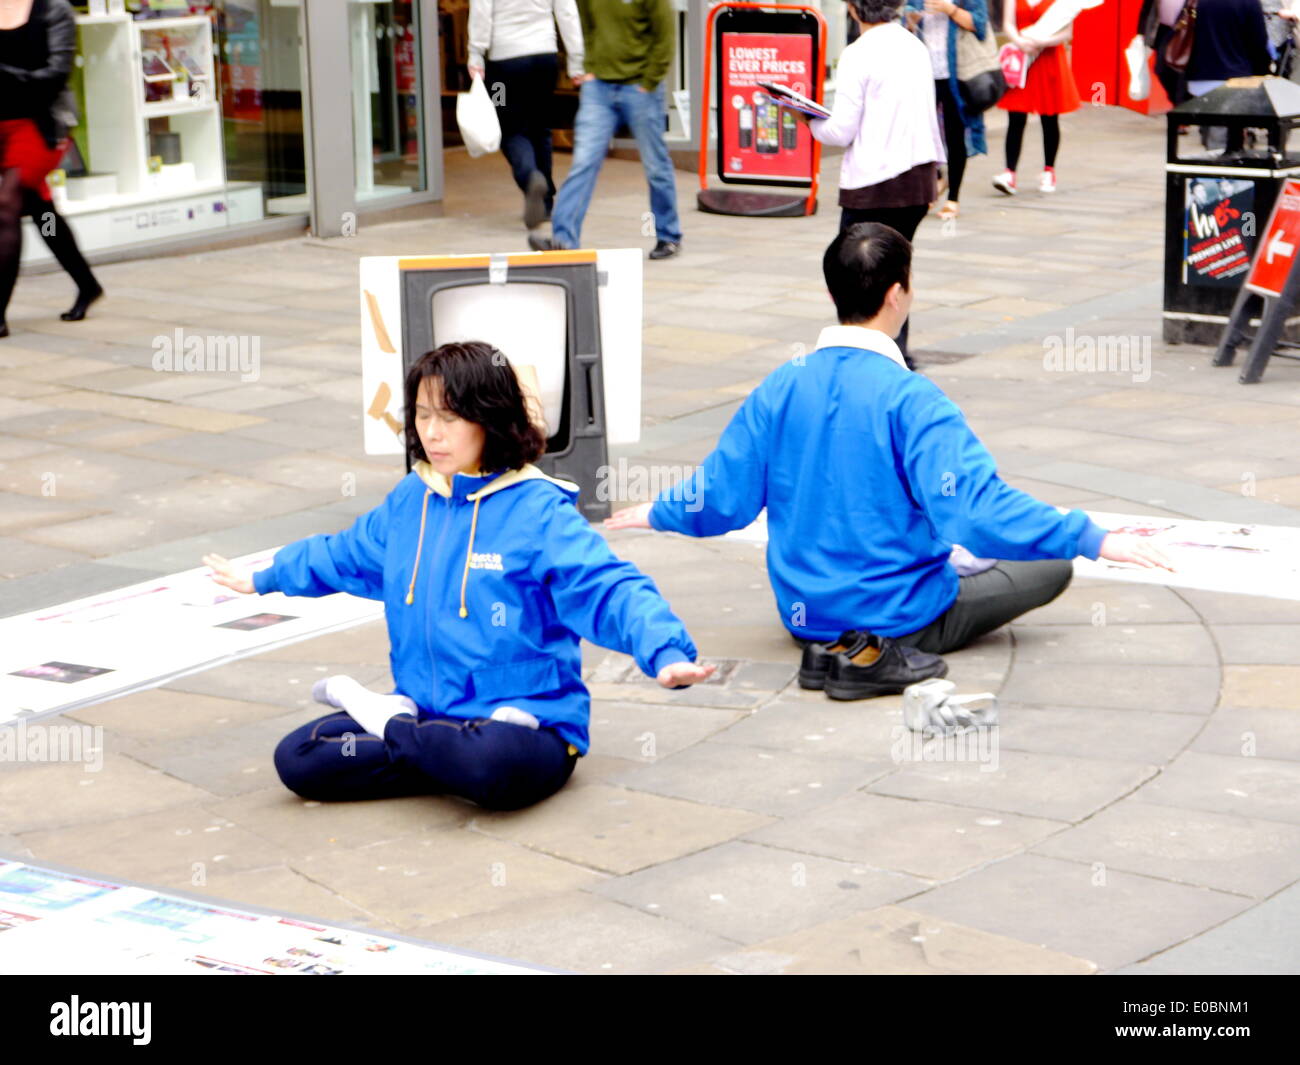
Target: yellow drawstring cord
<point>419,546</point>
<point>469,554</point>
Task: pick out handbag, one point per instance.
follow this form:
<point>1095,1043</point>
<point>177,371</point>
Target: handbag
<point>1178,49</point>
<point>1015,65</point>
<point>979,72</point>
<point>476,116</point>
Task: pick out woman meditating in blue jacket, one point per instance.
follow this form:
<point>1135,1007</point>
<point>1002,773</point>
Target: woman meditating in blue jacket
<point>489,576</point>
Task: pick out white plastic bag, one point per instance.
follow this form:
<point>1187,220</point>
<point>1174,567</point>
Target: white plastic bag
<point>1139,77</point>
<point>477,118</point>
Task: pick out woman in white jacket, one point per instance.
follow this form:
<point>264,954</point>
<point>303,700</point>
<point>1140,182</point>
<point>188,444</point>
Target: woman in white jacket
<point>885,115</point>
<point>512,45</point>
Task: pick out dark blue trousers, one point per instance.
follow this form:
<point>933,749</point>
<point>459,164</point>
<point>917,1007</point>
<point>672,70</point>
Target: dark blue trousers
<point>527,88</point>
<point>492,763</point>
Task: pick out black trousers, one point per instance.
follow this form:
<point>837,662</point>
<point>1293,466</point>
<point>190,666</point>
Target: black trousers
<point>525,89</point>
<point>988,600</point>
<point>954,137</point>
<point>903,219</point>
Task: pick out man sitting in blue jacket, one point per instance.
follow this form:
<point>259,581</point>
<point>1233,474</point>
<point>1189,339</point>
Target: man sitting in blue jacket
<point>870,475</point>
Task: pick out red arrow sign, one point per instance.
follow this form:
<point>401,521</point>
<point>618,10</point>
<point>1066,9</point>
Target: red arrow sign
<point>1276,255</point>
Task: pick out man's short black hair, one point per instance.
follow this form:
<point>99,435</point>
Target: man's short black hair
<point>875,11</point>
<point>862,263</point>
<point>478,384</point>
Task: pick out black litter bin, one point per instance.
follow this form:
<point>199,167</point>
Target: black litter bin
<point>1218,198</point>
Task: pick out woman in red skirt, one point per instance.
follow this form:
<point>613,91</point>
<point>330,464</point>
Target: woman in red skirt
<point>38,39</point>
<point>1049,91</point>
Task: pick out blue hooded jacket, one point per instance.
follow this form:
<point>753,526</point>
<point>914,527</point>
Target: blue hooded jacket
<point>487,585</point>
<point>869,474</point>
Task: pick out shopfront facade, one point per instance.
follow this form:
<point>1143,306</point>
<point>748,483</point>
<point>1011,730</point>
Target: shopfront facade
<point>208,121</point>
<point>203,121</point>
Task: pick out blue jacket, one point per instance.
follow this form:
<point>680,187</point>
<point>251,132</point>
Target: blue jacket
<point>487,585</point>
<point>869,474</point>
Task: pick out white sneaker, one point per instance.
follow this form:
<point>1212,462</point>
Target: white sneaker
<point>1005,182</point>
<point>1048,182</point>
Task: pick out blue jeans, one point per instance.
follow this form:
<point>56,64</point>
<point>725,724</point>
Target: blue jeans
<point>602,105</point>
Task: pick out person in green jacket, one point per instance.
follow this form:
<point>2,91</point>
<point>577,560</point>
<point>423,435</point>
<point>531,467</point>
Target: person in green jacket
<point>629,48</point>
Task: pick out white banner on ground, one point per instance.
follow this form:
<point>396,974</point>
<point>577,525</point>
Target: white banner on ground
<point>1214,556</point>
<point>108,645</point>
<point>55,922</point>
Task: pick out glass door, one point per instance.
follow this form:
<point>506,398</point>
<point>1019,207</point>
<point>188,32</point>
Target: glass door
<point>387,98</point>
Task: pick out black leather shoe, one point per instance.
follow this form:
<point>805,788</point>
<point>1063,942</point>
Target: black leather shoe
<point>880,666</point>
<point>535,200</point>
<point>817,657</point>
<point>666,249</point>
<point>84,299</point>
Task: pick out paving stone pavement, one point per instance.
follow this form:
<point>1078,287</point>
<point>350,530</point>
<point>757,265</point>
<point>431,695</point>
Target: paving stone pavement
<point>1136,811</point>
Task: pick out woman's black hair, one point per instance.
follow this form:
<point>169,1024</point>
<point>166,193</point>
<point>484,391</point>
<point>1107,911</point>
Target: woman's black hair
<point>875,11</point>
<point>478,384</point>
<point>861,265</point>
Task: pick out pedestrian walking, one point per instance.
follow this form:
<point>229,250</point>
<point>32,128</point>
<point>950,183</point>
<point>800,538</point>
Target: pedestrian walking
<point>940,23</point>
<point>629,47</point>
<point>38,40</point>
<point>513,47</point>
<point>1230,41</point>
<point>884,114</point>
<point>1049,92</point>
<point>489,577</point>
<point>1156,25</point>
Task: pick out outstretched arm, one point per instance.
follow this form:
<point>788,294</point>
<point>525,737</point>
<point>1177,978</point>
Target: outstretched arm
<point>610,602</point>
<point>349,561</point>
<point>726,492</point>
<point>954,480</point>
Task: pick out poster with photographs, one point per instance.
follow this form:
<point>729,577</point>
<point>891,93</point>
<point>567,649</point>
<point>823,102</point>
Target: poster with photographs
<point>56,922</point>
<point>1212,555</point>
<point>83,652</point>
<point>1218,231</point>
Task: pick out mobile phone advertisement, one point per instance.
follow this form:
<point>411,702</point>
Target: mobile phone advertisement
<point>759,139</point>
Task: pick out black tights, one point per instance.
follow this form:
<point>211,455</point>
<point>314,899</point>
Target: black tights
<point>11,238</point>
<point>1016,121</point>
<point>954,136</point>
<point>15,202</point>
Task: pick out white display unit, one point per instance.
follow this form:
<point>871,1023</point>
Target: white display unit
<point>123,198</point>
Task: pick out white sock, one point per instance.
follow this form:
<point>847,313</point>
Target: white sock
<point>512,715</point>
<point>370,710</point>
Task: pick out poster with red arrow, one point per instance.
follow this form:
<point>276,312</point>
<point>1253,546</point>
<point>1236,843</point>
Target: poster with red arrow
<point>1277,249</point>
<point>1217,235</point>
